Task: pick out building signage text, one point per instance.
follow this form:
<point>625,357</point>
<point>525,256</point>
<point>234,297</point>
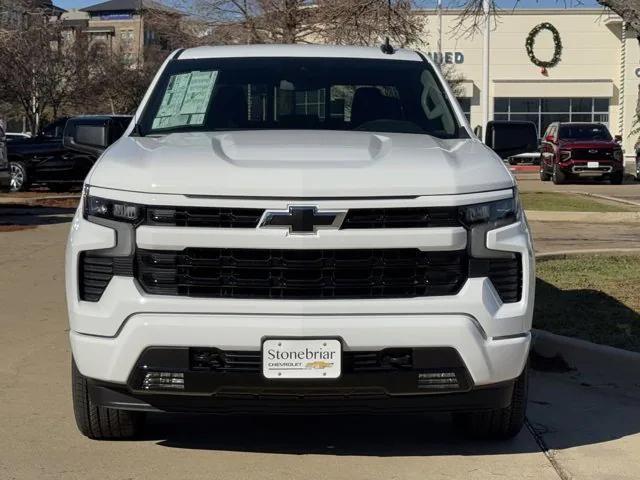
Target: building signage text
<point>449,58</point>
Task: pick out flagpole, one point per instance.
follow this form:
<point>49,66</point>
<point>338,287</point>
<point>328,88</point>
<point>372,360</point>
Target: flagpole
<point>440,28</point>
<point>486,4</point>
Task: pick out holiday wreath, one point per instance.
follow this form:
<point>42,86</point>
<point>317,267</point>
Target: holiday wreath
<point>557,43</point>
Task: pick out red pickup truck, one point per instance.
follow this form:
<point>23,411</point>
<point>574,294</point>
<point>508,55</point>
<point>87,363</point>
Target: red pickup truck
<point>580,150</point>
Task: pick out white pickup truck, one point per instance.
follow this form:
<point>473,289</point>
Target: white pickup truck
<point>299,229</point>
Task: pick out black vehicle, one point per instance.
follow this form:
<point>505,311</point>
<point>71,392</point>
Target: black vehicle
<point>4,165</point>
<point>44,160</point>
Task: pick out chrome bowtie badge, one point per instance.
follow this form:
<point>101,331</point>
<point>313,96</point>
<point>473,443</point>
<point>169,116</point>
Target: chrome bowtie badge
<point>302,219</point>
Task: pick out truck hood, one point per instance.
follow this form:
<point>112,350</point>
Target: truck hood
<point>295,164</point>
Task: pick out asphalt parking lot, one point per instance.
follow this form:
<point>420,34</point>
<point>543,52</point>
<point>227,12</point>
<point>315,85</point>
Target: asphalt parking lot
<point>577,427</point>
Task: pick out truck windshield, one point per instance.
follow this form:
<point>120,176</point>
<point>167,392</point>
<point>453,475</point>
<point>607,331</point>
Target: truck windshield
<point>299,93</point>
<point>584,131</point>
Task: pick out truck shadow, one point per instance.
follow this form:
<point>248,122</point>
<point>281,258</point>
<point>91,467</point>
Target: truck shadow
<point>380,436</point>
<point>588,314</point>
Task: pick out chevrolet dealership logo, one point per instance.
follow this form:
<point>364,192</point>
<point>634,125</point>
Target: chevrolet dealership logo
<point>302,219</point>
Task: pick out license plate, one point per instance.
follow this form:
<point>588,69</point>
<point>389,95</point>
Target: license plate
<point>300,358</point>
<point>593,164</point>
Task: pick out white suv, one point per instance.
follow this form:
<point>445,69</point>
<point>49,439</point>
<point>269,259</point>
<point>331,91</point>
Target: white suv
<point>298,229</point>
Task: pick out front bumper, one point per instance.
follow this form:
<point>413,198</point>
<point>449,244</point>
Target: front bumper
<point>108,336</point>
<point>481,398</point>
<point>581,168</point>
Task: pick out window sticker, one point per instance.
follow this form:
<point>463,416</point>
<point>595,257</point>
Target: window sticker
<point>186,99</point>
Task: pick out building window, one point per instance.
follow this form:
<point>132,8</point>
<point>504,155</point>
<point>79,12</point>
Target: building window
<point>126,36</point>
<point>544,111</point>
<point>465,104</point>
<point>310,102</point>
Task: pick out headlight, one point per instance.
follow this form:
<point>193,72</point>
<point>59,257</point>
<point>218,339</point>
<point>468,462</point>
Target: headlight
<point>617,155</point>
<point>499,212</point>
<point>565,155</point>
<point>112,210</point>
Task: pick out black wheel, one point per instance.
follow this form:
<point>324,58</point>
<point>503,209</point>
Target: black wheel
<point>544,176</point>
<point>19,180</point>
<point>501,423</point>
<point>100,423</point>
<point>558,176</point>
<point>616,178</point>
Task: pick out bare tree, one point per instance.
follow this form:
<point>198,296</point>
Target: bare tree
<point>362,22</point>
<point>37,71</point>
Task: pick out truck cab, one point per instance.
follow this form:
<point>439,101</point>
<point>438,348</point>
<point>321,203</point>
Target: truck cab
<point>299,229</point>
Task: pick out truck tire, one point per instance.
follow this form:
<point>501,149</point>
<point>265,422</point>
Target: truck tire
<point>616,178</point>
<point>100,423</point>
<point>544,176</point>
<point>501,423</point>
<point>558,177</point>
<point>19,180</point>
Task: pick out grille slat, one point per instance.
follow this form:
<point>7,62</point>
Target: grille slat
<point>241,273</point>
<point>96,271</point>
<point>506,276</point>
<point>359,218</point>
<point>401,218</point>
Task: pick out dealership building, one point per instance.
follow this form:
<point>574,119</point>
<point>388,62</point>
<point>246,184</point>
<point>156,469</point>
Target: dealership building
<point>596,78</point>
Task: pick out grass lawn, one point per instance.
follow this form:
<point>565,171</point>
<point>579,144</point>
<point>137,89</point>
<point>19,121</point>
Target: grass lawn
<point>566,202</point>
<point>595,298</point>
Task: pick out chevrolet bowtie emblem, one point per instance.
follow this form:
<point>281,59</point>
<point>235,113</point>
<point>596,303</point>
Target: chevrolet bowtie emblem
<point>302,219</point>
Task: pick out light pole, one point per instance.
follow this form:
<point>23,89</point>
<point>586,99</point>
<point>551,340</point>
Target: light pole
<point>486,5</point>
<point>440,29</point>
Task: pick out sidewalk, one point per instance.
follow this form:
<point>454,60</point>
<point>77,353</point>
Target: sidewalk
<point>561,236</point>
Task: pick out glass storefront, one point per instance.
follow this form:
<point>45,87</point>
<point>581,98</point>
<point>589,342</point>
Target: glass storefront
<point>544,111</point>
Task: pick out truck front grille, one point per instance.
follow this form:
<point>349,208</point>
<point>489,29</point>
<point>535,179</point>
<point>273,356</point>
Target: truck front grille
<point>301,274</point>
<point>96,271</point>
<point>592,154</point>
<point>358,218</point>
<point>506,276</point>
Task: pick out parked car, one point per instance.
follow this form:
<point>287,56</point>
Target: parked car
<point>571,150</point>
<point>531,157</point>
<point>5,177</point>
<point>44,160</point>
<point>239,251</point>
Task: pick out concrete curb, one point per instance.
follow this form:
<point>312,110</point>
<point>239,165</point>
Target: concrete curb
<point>597,364</point>
<point>607,197</point>
<point>583,217</point>
<point>564,254</point>
<point>23,200</point>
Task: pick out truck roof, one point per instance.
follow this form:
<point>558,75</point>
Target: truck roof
<point>319,51</point>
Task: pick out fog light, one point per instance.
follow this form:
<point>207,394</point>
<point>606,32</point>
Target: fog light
<point>163,381</point>
<point>438,380</point>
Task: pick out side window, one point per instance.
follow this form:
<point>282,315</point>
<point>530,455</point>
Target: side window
<point>551,132</point>
<point>55,129</point>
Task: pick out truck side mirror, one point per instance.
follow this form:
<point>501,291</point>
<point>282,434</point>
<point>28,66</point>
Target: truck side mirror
<point>93,134</point>
<point>508,139</point>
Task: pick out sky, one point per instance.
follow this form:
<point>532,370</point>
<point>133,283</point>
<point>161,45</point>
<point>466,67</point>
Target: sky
<point>68,4</point>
